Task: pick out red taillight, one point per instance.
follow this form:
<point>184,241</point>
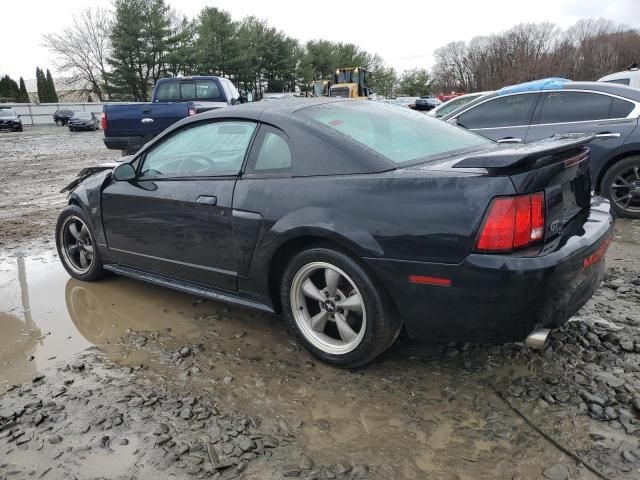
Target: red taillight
<point>512,223</point>
<point>192,111</point>
<point>103,121</point>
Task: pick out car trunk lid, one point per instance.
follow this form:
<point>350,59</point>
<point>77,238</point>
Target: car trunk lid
<point>559,167</point>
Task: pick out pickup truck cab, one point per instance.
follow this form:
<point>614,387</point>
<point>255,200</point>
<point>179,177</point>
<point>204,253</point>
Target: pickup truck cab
<point>629,77</point>
<point>128,126</point>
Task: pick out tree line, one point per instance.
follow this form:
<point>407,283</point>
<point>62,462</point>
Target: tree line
<point>588,50</point>
<point>12,91</point>
<point>119,55</point>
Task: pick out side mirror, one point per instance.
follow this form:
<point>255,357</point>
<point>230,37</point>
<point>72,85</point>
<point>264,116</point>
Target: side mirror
<point>124,173</point>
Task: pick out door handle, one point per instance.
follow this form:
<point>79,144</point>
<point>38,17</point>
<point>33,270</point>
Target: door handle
<point>207,200</point>
<point>605,135</point>
<point>510,140</point>
<point>147,120</point>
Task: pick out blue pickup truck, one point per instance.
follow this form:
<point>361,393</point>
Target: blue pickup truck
<point>128,126</point>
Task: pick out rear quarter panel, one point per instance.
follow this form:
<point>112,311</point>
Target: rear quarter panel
<point>404,215</point>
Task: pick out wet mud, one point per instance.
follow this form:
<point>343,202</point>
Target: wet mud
<point>260,407</point>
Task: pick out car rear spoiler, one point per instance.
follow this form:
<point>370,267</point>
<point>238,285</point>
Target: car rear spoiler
<point>515,157</point>
<point>87,172</point>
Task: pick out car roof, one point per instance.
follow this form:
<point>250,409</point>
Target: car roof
<point>327,147</point>
<point>284,106</point>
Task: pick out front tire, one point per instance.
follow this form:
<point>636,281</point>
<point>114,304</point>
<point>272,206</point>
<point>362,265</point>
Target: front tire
<point>335,308</point>
<point>621,185</point>
<point>77,248</point>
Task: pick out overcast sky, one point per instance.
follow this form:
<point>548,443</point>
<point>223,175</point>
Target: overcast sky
<point>403,32</point>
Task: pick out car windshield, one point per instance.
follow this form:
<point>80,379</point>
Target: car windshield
<point>83,116</point>
<point>7,113</point>
<point>400,135</point>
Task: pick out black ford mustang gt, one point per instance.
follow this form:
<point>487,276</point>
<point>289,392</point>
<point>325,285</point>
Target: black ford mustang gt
<point>356,219</point>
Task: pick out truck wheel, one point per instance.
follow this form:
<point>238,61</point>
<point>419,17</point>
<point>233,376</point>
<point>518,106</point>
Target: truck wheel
<point>621,185</point>
<point>77,248</point>
<point>336,310</point>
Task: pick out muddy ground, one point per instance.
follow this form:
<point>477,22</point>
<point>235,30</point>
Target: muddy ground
<point>119,379</point>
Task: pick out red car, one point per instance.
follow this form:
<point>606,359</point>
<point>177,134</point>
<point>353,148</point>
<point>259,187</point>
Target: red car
<point>443,97</point>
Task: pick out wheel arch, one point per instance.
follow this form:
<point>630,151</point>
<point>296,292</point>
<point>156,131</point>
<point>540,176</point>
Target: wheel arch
<point>307,240</point>
<point>611,162</point>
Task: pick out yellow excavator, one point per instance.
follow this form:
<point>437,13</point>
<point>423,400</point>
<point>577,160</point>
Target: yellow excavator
<point>350,83</point>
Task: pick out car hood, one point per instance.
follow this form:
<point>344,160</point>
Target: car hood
<point>87,172</point>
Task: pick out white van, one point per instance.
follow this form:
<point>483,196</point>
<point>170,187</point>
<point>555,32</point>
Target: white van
<point>630,77</point>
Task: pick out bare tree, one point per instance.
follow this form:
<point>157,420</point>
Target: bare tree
<point>82,50</point>
<point>586,51</point>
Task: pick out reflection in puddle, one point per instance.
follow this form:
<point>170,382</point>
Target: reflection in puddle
<point>46,316</point>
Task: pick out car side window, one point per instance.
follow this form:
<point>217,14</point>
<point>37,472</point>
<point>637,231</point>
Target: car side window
<point>564,107</point>
<point>507,111</point>
<point>273,154</point>
<point>205,149</point>
<point>620,108</point>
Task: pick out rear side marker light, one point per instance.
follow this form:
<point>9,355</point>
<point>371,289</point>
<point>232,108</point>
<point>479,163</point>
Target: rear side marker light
<point>443,282</point>
<point>192,111</point>
<point>512,223</point>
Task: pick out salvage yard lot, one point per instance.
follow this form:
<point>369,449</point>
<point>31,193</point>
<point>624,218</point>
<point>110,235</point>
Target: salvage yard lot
<point>189,388</point>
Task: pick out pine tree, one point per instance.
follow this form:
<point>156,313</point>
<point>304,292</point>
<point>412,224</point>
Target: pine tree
<point>41,81</point>
<point>23,95</point>
<point>51,89</point>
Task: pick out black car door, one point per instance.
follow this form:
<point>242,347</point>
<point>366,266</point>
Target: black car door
<point>175,218</point>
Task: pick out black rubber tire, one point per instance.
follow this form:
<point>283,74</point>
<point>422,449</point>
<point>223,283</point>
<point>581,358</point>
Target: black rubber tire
<point>383,323</point>
<point>96,271</point>
<point>615,169</point>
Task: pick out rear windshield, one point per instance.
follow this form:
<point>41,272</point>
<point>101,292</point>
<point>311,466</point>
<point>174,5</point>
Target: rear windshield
<point>188,91</point>
<point>402,136</point>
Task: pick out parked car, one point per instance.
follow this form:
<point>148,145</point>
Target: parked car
<point>537,110</point>
<point>629,77</point>
<point>425,104</point>
<point>83,121</point>
<point>355,218</point>
<point>10,120</point>
<point>455,103</point>
<point>61,117</point>
<point>129,126</point>
<point>409,102</point>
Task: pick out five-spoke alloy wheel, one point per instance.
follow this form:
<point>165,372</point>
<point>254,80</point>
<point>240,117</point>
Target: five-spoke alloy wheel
<point>336,309</point>
<point>328,308</point>
<point>76,245</point>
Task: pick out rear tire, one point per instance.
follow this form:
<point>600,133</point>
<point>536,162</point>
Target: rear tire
<point>77,248</point>
<point>336,310</point>
<point>621,185</point>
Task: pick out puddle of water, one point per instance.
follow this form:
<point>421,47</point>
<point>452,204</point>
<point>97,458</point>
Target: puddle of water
<point>46,316</point>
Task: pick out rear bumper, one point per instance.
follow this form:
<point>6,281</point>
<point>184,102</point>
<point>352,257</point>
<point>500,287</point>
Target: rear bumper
<point>500,298</point>
<point>128,144</point>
